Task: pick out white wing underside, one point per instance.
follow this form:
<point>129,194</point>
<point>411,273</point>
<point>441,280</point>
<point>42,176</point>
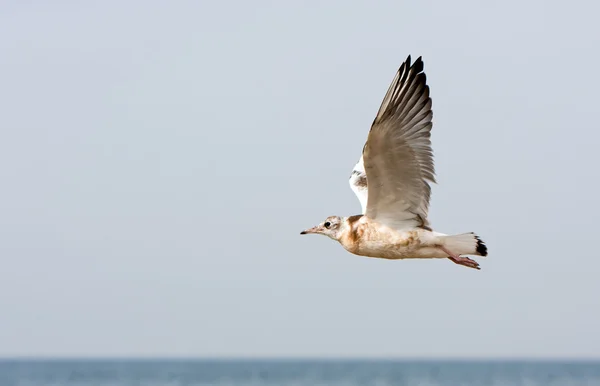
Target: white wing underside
<point>358,184</point>
<point>391,179</point>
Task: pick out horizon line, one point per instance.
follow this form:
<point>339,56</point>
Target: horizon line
<point>297,358</point>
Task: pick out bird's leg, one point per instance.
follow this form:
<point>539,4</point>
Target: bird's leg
<point>461,260</point>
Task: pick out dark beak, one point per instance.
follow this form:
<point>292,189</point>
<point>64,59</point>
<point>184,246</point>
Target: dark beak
<point>310,230</point>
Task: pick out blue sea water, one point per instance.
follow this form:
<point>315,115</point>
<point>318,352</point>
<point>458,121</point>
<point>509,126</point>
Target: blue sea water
<point>296,373</point>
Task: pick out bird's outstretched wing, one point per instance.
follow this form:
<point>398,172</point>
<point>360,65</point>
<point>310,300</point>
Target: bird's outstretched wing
<point>397,160</point>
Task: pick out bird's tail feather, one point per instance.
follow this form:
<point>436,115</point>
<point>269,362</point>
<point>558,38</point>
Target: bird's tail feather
<point>465,244</point>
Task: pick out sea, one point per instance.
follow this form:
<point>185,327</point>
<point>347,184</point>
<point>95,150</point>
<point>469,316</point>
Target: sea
<point>20,372</point>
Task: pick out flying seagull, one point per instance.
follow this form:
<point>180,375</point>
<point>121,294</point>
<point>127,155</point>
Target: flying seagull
<point>391,181</point>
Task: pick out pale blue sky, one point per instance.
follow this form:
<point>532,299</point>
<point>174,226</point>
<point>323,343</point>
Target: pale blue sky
<point>159,159</point>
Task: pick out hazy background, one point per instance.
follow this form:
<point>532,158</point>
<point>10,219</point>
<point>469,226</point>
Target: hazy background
<point>159,159</point>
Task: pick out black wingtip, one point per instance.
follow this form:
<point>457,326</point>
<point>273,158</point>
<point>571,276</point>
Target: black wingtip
<point>481,247</point>
<point>418,65</point>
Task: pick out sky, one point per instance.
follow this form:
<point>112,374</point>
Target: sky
<point>159,159</point>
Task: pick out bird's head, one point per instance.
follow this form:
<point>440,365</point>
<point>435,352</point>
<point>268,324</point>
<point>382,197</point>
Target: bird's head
<point>331,227</point>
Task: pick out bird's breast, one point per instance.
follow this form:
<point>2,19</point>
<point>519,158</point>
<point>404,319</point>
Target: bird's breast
<point>367,238</point>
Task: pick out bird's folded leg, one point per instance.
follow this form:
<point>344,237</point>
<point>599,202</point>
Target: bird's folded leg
<point>461,260</point>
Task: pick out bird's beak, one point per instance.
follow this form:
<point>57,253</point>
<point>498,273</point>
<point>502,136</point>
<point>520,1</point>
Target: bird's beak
<point>315,229</point>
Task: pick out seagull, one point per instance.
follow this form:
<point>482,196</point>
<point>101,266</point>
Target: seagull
<point>392,183</point>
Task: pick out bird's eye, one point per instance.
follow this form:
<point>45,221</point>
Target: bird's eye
<point>327,224</point>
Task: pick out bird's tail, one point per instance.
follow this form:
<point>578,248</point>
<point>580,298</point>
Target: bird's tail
<point>465,244</point>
